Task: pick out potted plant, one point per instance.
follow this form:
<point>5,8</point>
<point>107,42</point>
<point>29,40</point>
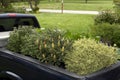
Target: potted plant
<point>93,59</point>
<point>84,59</point>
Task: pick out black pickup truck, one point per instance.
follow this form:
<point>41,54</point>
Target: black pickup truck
<point>15,66</point>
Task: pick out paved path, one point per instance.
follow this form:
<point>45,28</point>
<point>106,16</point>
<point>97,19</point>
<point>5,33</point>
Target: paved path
<point>70,11</point>
<point>67,11</point>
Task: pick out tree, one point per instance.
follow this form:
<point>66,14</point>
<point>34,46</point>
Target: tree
<point>34,4</point>
<point>117,2</point>
<point>5,3</point>
<point>86,1</point>
<point>57,0</point>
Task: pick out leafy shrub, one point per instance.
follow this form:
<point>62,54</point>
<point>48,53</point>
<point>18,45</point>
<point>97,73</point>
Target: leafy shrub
<point>48,46</point>
<point>117,6</point>
<point>89,56</point>
<point>108,33</point>
<point>53,46</point>
<point>17,37</point>
<point>28,46</point>
<point>116,36</point>
<point>117,2</point>
<point>106,17</point>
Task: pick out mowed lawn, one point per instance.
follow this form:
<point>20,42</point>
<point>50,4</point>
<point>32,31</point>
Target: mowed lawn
<point>78,5</point>
<point>71,22</point>
<point>96,5</point>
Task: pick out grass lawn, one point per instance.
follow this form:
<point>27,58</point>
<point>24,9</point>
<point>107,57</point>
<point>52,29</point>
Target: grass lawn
<point>72,5</point>
<point>72,22</point>
<point>77,6</point>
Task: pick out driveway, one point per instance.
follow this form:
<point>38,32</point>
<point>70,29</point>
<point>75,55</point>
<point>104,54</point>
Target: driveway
<point>70,11</point>
<point>67,11</point>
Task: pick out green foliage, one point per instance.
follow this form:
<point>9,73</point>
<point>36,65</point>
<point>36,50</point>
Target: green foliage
<point>17,37</point>
<point>106,17</point>
<point>35,9</point>
<point>48,46</point>
<point>116,35</point>
<point>76,35</point>
<point>19,10</point>
<point>109,33</point>
<point>53,46</point>
<point>105,31</point>
<point>89,56</point>
<point>117,2</point>
<point>34,5</point>
<point>28,46</point>
<point>5,4</point>
<point>117,6</point>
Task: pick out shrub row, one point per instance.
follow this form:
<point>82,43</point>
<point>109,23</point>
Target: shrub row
<point>107,16</point>
<point>49,46</point>
<point>109,33</point>
<point>107,27</point>
<point>52,47</point>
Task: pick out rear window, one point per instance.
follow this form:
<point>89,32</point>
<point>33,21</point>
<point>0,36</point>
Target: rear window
<point>8,24</point>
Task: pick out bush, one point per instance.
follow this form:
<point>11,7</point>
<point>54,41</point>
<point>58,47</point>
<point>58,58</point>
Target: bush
<point>117,2</point>
<point>89,56</point>
<point>28,46</point>
<point>108,33</point>
<point>53,46</point>
<point>48,46</point>
<point>17,37</point>
<point>117,7</point>
<point>106,17</point>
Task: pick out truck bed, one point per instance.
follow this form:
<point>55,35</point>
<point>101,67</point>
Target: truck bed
<point>30,69</point>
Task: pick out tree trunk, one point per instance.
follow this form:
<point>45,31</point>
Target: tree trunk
<point>30,3</point>
<point>86,1</point>
<point>57,0</point>
<point>4,4</point>
<point>36,3</point>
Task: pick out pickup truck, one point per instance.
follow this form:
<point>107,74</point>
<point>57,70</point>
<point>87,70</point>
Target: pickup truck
<point>14,66</point>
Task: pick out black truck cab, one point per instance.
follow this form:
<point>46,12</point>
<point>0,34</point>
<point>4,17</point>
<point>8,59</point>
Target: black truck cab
<point>10,20</point>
